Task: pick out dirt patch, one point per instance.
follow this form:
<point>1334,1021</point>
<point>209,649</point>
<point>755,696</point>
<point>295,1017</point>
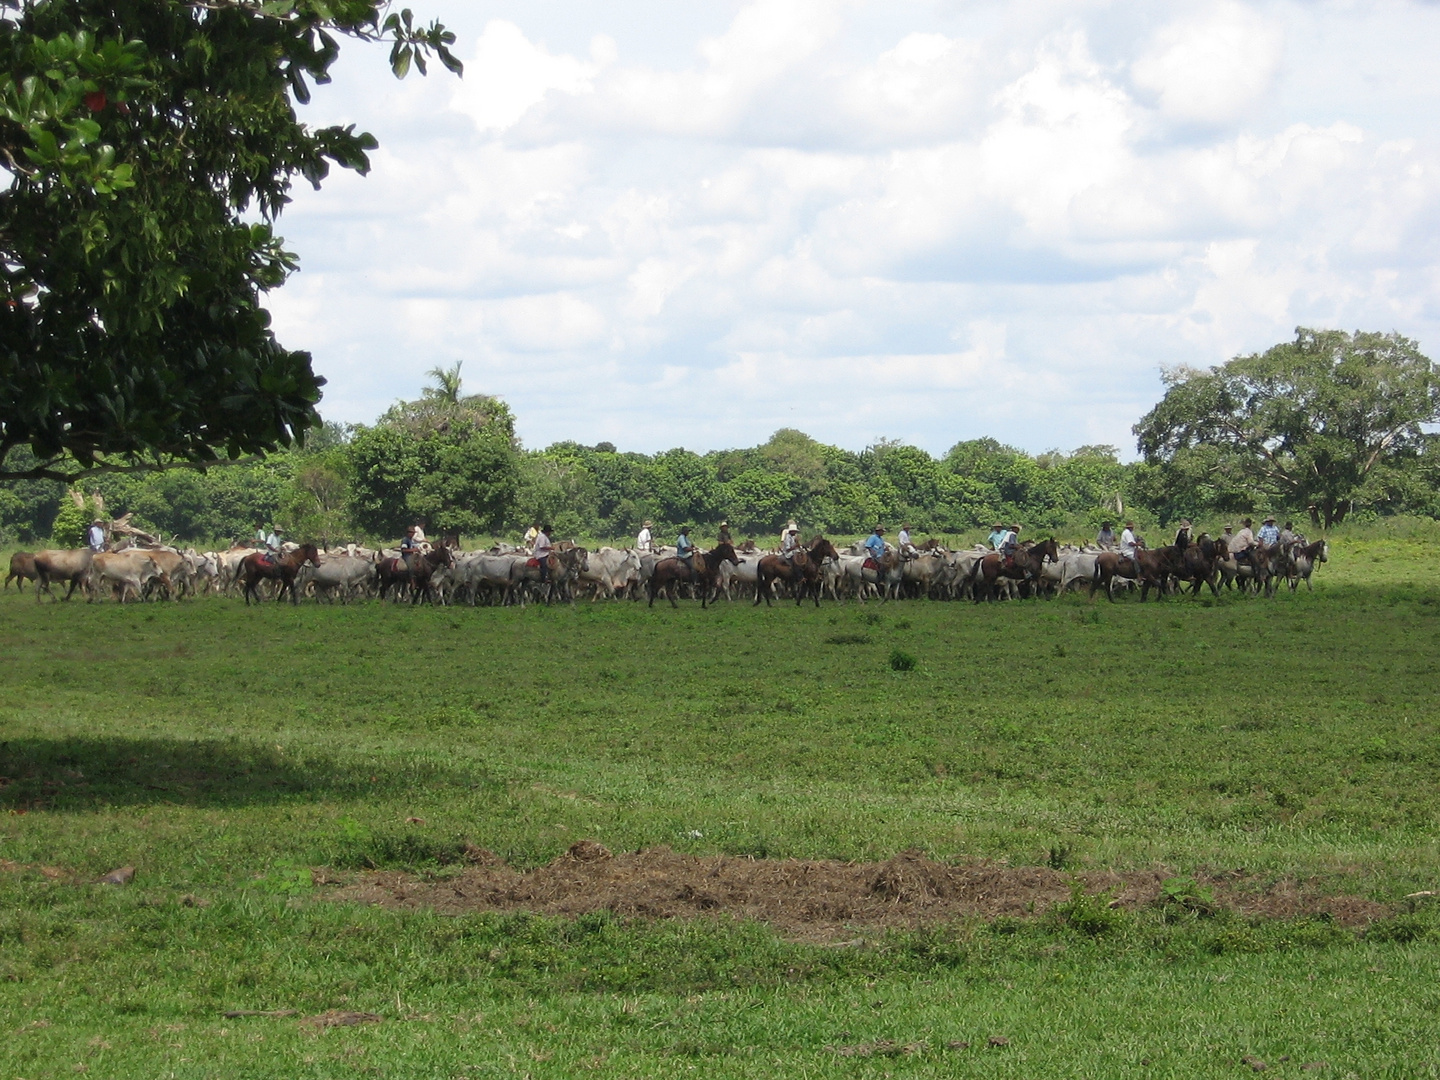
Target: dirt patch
<point>818,900</point>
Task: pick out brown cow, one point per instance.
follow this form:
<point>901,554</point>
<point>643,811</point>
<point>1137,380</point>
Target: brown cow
<point>61,564</point>
<point>22,567</point>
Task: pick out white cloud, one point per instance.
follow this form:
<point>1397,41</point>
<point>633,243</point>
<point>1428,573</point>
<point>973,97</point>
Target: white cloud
<point>1212,64</point>
<point>864,220</point>
<point>507,75</point>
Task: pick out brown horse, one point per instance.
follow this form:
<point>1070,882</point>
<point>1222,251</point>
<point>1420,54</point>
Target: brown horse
<point>1150,568</point>
<point>1025,566</point>
<point>1197,565</point>
<point>801,573</point>
<point>414,573</point>
<point>260,567</point>
<point>705,572</point>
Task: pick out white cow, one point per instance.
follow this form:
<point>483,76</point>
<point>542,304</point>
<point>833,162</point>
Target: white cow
<point>611,570</point>
<point>126,572</point>
<point>337,574</point>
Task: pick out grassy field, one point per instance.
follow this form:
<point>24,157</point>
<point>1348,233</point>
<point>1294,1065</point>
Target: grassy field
<point>223,752</point>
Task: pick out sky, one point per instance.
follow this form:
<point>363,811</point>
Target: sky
<point>661,224</point>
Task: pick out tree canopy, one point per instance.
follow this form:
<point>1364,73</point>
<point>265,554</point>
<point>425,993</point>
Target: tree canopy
<point>1322,422</point>
<point>149,146</point>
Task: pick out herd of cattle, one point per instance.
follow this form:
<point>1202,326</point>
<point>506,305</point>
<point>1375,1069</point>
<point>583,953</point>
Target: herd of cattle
<point>507,575</point>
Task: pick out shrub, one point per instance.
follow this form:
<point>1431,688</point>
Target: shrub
<point>902,661</point>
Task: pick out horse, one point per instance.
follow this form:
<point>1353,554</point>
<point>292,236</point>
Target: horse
<point>884,576</point>
<point>1303,558</point>
<point>705,572</point>
<point>1025,565</point>
<point>1259,569</point>
<point>1198,565</point>
<point>1148,567</point>
<point>565,565</point>
<point>260,566</point>
<point>802,571</point>
<point>414,572</point>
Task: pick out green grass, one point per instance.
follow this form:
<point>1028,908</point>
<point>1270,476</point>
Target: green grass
<point>220,751</point>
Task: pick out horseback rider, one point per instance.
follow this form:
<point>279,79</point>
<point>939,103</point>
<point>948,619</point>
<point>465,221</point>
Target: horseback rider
<point>684,548</point>
<point>1288,537</point>
<point>1270,533</point>
<point>724,537</point>
<point>528,540</point>
<point>791,524</point>
<point>1242,542</point>
<point>791,545</point>
<point>274,542</point>
<point>1008,543</point>
<point>95,536</point>
<point>645,542</point>
<point>542,550</point>
<point>996,537</point>
<point>875,545</point>
<point>907,549</point>
<point>409,546</point>
<point>1105,539</point>
<point>1129,542</point>
<point>1182,536</point>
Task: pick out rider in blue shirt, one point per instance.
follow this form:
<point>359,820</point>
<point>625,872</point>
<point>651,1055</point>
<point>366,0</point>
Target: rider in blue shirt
<point>1269,533</point>
<point>684,548</point>
<point>875,545</point>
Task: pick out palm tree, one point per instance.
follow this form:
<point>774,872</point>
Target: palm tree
<point>446,390</point>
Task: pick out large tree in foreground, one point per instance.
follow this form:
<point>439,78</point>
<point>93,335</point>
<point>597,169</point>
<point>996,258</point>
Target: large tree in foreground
<point>1323,422</point>
<point>148,146</point>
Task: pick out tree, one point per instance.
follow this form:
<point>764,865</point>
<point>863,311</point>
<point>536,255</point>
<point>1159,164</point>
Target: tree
<point>448,458</point>
<point>149,146</point>
<point>1321,423</point>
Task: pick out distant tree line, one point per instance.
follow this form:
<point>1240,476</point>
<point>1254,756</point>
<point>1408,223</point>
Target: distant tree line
<point>1326,427</point>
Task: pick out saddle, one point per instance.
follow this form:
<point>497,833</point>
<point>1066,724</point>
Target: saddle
<point>268,558</point>
<point>871,564</point>
<point>532,564</point>
<point>397,566</point>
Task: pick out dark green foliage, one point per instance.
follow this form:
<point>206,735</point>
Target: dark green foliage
<point>1325,423</point>
<point>150,146</point>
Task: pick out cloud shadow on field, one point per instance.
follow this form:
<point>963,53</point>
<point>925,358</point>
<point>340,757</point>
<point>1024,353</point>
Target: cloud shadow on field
<point>79,774</point>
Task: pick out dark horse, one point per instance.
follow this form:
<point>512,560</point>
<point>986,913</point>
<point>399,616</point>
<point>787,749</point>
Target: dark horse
<point>1197,565</point>
<point>669,573</point>
<point>416,573</point>
<point>1026,565</point>
<point>1150,568</point>
<point>283,569</point>
<point>801,573</point>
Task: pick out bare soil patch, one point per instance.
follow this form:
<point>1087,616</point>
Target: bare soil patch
<point>809,899</point>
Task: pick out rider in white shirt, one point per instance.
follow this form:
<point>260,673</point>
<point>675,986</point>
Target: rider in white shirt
<point>96,535</point>
<point>907,549</point>
<point>543,548</point>
<point>1128,541</point>
<point>645,541</point>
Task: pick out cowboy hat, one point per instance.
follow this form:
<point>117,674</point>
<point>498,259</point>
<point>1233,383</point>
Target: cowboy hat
<point>646,523</point>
